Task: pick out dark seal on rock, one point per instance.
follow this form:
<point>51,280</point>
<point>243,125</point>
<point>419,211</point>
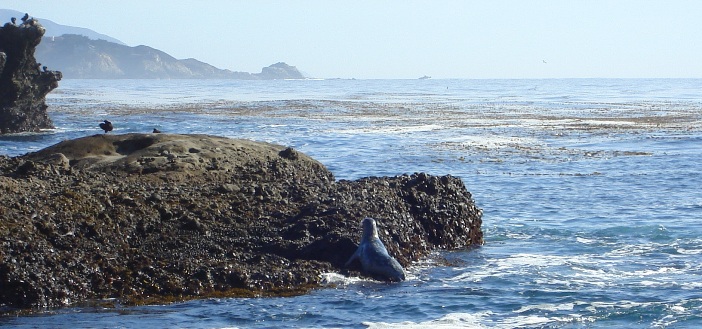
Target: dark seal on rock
<point>373,256</point>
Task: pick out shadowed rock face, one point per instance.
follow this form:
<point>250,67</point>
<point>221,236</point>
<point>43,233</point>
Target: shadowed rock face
<point>159,217</point>
<point>24,84</point>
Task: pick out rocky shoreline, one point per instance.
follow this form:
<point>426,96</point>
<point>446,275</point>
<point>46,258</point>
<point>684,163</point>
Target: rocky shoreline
<point>163,217</point>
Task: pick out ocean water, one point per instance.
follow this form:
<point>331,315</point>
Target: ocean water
<point>590,190</point>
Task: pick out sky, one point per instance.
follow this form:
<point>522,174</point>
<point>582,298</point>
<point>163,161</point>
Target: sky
<point>407,39</point>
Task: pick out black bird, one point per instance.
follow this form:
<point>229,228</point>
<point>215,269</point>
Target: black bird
<point>106,126</point>
<point>156,131</point>
<point>14,21</point>
<point>25,17</point>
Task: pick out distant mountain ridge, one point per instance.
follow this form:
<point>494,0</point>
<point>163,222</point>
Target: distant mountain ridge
<point>78,57</point>
<point>54,29</point>
<point>81,53</point>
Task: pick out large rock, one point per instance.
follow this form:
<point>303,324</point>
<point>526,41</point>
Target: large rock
<point>280,71</point>
<point>159,217</point>
<point>23,82</point>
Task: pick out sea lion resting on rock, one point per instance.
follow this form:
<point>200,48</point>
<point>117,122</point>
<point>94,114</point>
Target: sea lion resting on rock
<point>373,256</point>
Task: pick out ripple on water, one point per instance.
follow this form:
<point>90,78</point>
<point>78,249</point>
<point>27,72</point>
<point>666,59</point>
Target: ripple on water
<point>589,190</point>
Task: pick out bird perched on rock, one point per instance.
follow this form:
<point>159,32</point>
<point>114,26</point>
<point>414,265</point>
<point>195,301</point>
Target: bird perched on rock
<point>13,20</point>
<point>106,126</point>
<point>156,131</point>
<point>25,17</point>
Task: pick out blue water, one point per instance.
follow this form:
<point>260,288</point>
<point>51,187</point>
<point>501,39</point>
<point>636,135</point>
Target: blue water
<point>590,191</point>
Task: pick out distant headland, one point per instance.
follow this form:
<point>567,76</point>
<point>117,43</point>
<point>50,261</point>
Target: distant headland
<point>81,53</point>
<point>79,57</point>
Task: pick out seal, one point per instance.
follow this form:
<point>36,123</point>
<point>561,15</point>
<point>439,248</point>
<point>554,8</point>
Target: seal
<point>374,258</point>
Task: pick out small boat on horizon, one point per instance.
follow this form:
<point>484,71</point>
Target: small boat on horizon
<point>424,77</point>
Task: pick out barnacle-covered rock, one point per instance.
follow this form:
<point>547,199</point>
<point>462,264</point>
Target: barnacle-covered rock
<point>161,217</point>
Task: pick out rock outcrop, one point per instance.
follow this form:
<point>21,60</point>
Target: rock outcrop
<point>160,217</point>
<point>280,71</point>
<point>24,83</point>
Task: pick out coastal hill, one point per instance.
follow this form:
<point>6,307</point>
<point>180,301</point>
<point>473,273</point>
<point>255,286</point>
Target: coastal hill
<point>150,218</point>
<point>80,53</point>
<point>79,57</point>
<point>54,29</point>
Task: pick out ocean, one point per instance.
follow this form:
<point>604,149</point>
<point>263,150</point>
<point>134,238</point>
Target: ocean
<point>590,190</point>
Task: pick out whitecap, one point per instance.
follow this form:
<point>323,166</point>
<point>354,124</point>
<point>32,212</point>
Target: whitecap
<point>689,251</point>
<point>584,241</point>
<point>546,307</point>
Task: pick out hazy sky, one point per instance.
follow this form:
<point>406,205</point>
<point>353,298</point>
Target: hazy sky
<point>407,39</point>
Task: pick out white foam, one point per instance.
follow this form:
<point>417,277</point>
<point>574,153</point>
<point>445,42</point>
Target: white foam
<point>390,129</point>
<point>546,307</point>
<point>691,285</point>
<point>452,320</point>
<point>595,122</point>
<point>584,240</point>
<point>490,141</point>
<point>625,304</point>
<point>471,320</point>
<point>584,270</point>
<point>512,264</point>
<point>678,309</point>
<point>689,251</point>
<point>656,272</point>
<point>633,250</point>
<point>532,260</point>
<point>334,279</point>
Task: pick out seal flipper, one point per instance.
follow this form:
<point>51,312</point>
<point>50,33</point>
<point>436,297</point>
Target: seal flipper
<point>374,258</point>
<point>355,256</point>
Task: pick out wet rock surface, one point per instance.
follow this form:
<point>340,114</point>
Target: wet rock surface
<point>24,83</point>
<point>160,217</point>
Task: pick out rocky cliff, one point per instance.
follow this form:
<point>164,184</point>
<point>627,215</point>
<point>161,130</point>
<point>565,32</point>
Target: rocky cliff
<point>24,83</point>
<point>159,217</point>
<point>79,57</point>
